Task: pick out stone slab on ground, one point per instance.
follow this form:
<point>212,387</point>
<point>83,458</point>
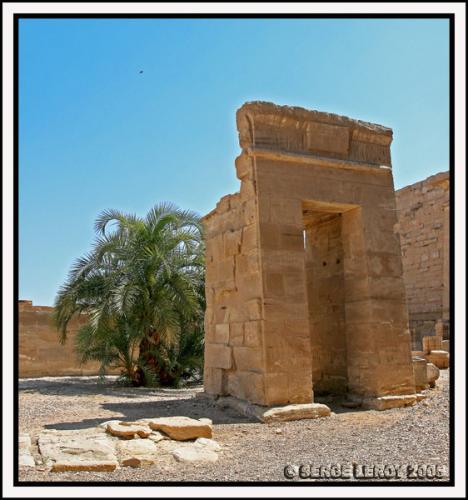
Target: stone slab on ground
<point>25,459</point>
<point>275,414</point>
<point>295,412</point>
<point>181,428</point>
<point>78,450</point>
<point>389,402</point>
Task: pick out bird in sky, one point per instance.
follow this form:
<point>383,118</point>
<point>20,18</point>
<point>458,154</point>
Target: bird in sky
<point>141,71</point>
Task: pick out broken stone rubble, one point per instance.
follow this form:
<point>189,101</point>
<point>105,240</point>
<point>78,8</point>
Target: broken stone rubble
<point>118,443</point>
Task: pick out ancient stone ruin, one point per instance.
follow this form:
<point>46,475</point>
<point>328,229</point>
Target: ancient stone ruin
<point>424,230</point>
<point>40,354</point>
<point>304,283</point>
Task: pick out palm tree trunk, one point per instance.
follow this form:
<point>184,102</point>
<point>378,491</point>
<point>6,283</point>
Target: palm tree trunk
<point>148,344</point>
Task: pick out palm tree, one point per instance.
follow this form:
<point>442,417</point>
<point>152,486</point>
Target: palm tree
<point>141,288</point>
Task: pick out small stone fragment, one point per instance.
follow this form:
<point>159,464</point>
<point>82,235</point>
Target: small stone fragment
<point>433,374</point>
<point>103,425</point>
<point>206,421</point>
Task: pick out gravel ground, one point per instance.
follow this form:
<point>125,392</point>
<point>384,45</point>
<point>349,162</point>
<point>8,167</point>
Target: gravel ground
<point>252,451</point>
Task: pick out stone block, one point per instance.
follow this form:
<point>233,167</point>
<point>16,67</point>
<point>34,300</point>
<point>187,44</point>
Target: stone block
<point>389,402</point>
<point>237,334</point>
<point>253,334</point>
<point>295,412</point>
<point>254,309</point>
<point>420,374</point>
<point>249,238</point>
<point>181,428</point>
<point>439,358</point>
<point>432,373</point>
<point>213,380</point>
<point>221,335</point>
<point>232,242</point>
<point>218,356</point>
<point>431,343</point>
<point>248,359</point>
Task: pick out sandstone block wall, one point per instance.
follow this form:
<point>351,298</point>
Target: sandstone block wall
<point>40,353</point>
<point>424,230</point>
<point>304,276</point>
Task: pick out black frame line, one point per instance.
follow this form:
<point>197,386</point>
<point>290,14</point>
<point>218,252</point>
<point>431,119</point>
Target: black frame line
<point>295,483</point>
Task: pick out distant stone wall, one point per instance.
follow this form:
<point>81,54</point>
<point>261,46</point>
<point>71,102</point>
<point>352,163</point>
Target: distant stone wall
<point>40,353</point>
<point>424,229</point>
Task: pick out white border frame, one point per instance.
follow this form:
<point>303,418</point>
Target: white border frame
<point>459,491</point>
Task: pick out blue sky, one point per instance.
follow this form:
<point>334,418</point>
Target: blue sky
<point>95,133</point>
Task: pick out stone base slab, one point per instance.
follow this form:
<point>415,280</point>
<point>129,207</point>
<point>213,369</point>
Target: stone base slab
<point>389,402</point>
<point>274,414</point>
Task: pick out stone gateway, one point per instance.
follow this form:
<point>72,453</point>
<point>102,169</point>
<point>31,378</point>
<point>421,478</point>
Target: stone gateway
<point>304,282</point>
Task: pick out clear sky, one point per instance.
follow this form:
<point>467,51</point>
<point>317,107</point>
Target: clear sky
<point>95,133</point>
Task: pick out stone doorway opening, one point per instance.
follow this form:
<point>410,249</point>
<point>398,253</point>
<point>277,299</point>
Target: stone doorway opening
<point>327,255</point>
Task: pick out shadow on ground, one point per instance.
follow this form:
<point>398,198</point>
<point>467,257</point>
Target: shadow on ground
<point>190,407</point>
<point>93,385</point>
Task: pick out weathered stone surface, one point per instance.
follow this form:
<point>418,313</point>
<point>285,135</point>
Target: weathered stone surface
<point>388,402</point>
<point>296,412</point>
<point>433,374</point>
<point>128,430</point>
<point>194,454</point>
<point>25,459</point>
<point>76,450</point>
<point>439,358</point>
<point>137,453</point>
<point>181,428</point>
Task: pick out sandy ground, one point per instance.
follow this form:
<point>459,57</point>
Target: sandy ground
<point>410,438</point>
